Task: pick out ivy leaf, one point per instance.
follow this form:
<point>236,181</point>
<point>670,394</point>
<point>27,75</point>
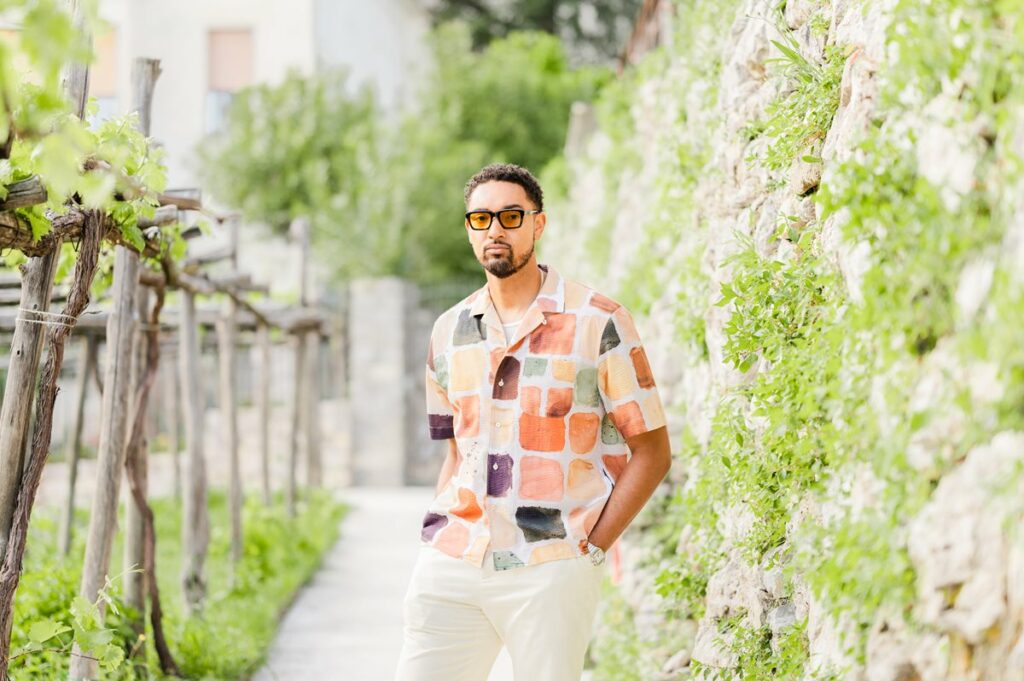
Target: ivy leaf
<point>93,640</point>
<point>112,657</point>
<point>84,612</point>
<point>134,236</point>
<point>44,630</point>
<point>36,220</point>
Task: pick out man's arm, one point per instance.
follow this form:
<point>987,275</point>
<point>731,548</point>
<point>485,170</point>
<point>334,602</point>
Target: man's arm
<point>451,463</point>
<point>649,462</point>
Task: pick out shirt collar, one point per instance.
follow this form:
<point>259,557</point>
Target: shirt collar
<point>550,300</point>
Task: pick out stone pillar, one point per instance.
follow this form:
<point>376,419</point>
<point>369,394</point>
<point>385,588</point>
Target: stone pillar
<point>379,380</point>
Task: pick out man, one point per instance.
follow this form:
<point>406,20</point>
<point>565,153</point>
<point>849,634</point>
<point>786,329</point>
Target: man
<point>556,439</point>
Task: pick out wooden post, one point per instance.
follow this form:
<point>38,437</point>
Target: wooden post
<point>135,457</point>
<point>26,348</point>
<point>117,403</point>
<point>78,299</point>
<point>27,343</point>
<point>263,407</point>
<point>195,519</point>
<point>113,432</point>
<point>171,410</point>
<point>226,337</point>
<point>298,391</point>
<point>17,498</point>
<point>87,365</point>
<point>302,229</point>
<point>136,475</point>
<point>314,467</point>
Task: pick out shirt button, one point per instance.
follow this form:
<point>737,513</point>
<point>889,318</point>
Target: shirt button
<point>501,382</point>
<point>495,466</point>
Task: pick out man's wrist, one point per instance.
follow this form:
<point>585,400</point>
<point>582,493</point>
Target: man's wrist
<point>593,552</point>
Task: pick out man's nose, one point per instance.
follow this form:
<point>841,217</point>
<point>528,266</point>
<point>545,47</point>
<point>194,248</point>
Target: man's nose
<point>495,230</point>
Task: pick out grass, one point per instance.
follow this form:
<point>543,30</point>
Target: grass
<point>230,639</point>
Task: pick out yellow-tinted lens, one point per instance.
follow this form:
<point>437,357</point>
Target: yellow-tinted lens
<point>479,220</point>
<point>510,219</point>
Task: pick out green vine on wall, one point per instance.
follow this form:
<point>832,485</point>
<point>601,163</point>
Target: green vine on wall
<point>834,354</point>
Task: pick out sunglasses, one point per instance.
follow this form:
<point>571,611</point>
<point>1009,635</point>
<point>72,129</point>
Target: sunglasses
<point>510,218</point>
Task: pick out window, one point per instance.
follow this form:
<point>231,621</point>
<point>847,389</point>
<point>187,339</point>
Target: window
<point>230,69</point>
<point>103,76</point>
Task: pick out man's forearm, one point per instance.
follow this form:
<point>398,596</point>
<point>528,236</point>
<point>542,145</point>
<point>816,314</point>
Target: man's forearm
<point>647,467</point>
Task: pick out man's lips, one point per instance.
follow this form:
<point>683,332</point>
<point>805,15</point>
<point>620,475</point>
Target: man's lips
<point>496,247</point>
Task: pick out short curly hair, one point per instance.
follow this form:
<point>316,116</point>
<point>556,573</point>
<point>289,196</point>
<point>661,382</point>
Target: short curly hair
<point>507,172</point>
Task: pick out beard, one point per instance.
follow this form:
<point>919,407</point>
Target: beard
<point>506,264</point>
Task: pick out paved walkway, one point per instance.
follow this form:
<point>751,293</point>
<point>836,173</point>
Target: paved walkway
<point>347,623</point>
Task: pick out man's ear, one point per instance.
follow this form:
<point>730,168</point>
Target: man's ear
<point>540,221</point>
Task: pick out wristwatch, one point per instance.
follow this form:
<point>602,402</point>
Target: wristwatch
<point>595,553</point>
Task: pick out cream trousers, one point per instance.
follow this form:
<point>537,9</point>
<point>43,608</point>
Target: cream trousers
<point>457,616</point>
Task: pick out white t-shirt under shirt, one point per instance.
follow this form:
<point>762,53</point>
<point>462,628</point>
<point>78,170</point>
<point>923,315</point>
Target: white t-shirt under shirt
<point>509,330</point>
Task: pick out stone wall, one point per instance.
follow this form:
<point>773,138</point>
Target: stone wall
<point>899,557</point>
<point>389,325</point>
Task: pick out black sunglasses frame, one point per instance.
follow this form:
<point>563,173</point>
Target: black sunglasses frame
<point>493,214</point>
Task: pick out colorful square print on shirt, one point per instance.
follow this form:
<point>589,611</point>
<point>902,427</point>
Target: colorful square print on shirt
<point>540,422</point>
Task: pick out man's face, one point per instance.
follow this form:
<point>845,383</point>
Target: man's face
<point>503,252</point>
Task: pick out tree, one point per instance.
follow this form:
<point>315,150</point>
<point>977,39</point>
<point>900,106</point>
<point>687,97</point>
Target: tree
<point>594,31</point>
<point>384,195</point>
<point>293,150</point>
<point>509,102</point>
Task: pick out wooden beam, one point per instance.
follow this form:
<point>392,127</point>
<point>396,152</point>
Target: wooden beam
<point>193,262</point>
<point>180,202</point>
<point>11,296</point>
<point>28,192</point>
<point>164,215</point>
<point>15,233</point>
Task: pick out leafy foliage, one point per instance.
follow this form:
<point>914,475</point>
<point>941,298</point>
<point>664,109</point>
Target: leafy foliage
<point>825,405</point>
<point>123,174</point>
<point>385,195</point>
<point>294,150</point>
<point>230,638</point>
<point>593,30</point>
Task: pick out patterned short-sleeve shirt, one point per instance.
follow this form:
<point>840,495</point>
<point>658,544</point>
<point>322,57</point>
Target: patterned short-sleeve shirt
<point>539,423</point>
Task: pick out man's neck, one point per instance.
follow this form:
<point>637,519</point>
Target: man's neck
<point>513,294</point>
